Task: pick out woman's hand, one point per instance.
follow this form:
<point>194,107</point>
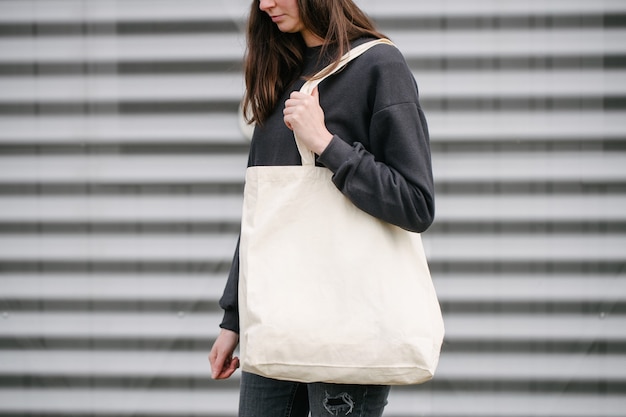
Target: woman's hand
<point>223,364</point>
<point>305,117</point>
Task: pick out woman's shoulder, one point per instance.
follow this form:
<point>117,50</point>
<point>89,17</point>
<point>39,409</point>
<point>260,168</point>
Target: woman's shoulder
<point>382,55</point>
<point>383,63</point>
<point>382,49</point>
<point>384,70</point>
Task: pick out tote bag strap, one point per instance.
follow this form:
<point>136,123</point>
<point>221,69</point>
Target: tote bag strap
<point>308,157</point>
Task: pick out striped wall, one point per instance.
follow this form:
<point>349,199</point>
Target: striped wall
<point>121,168</point>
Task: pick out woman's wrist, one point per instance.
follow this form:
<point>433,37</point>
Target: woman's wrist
<point>322,143</point>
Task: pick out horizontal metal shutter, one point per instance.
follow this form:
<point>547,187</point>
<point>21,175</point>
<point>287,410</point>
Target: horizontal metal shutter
<point>121,169</point>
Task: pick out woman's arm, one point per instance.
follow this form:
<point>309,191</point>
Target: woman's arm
<point>229,301</point>
<point>383,164</point>
<point>393,181</point>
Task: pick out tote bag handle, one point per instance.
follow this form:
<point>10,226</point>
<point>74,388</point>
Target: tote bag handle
<point>308,157</point>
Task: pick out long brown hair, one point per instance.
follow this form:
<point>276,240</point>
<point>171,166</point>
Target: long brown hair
<point>274,59</point>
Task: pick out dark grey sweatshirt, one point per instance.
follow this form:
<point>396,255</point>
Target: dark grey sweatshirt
<point>380,152</point>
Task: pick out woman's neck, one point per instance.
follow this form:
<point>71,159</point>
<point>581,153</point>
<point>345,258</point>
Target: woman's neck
<point>311,39</point>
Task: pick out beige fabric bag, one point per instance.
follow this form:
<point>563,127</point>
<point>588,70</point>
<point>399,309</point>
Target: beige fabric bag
<point>328,293</point>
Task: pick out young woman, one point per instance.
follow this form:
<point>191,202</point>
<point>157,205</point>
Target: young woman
<point>365,124</point>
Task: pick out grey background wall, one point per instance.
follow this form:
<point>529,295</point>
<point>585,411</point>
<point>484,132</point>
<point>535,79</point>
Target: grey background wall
<point>121,168</point>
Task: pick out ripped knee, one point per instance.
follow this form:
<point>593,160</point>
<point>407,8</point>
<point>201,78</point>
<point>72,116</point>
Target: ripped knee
<point>339,405</point>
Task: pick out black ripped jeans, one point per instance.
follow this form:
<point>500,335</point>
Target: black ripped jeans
<point>264,397</point>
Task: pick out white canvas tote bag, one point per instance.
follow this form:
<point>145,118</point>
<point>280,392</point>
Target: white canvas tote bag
<point>328,293</point>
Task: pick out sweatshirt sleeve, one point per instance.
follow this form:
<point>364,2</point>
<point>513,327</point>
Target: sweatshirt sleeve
<point>392,178</point>
<point>229,301</point>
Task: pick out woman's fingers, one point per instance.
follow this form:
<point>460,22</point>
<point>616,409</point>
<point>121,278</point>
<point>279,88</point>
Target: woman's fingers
<point>223,364</point>
<point>299,107</point>
<point>304,115</point>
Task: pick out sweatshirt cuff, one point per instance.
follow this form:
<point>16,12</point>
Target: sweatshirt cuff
<point>230,321</point>
<point>336,154</point>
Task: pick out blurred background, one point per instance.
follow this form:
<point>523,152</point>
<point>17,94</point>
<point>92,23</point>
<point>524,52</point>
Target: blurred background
<point>121,174</point>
